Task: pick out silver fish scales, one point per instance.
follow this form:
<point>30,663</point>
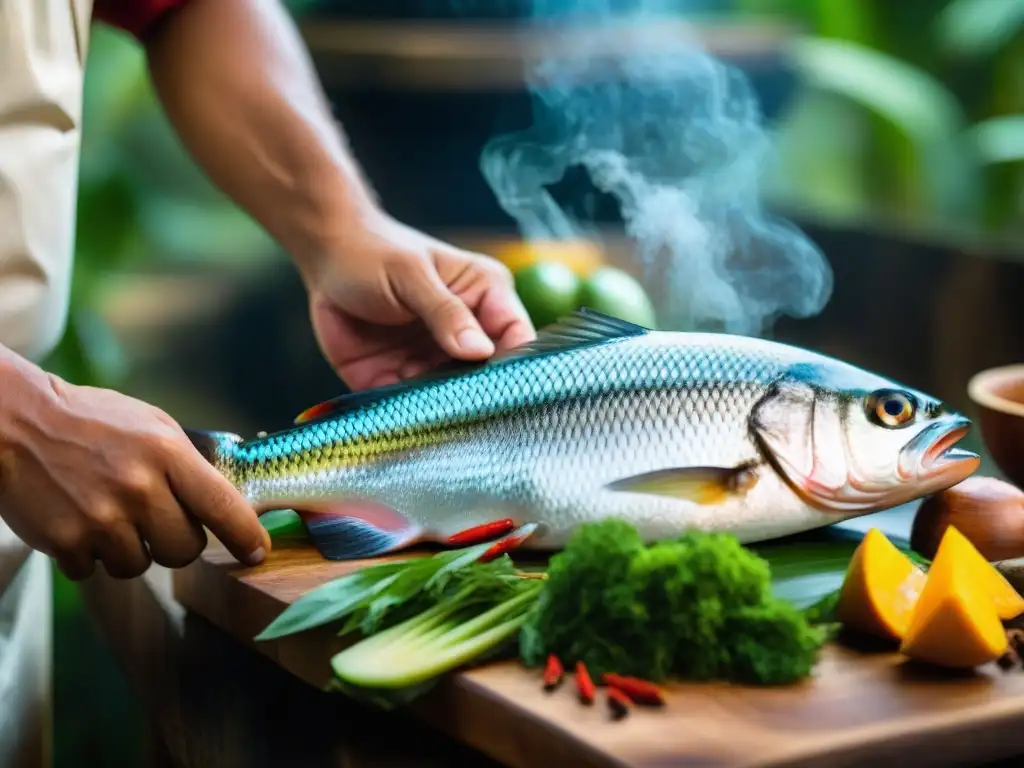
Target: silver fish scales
<point>601,418</point>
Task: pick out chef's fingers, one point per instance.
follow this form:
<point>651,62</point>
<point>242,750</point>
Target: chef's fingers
<point>420,288</point>
<point>175,538</point>
<point>75,563</point>
<point>121,550</point>
<point>206,494</point>
<point>68,542</point>
<point>500,312</point>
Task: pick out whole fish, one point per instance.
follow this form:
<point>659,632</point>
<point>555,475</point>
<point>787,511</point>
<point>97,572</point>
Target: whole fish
<point>601,418</point>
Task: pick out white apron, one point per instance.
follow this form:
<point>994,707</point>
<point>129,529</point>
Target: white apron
<point>43,45</point>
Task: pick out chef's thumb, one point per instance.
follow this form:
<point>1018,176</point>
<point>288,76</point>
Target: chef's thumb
<point>450,321</point>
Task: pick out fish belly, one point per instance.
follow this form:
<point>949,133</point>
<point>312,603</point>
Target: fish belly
<point>552,464</point>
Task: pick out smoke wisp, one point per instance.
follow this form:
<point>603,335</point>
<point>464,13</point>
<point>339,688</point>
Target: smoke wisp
<point>677,137</point>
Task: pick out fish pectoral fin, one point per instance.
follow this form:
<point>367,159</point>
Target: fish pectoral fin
<point>702,485</point>
<point>351,530</point>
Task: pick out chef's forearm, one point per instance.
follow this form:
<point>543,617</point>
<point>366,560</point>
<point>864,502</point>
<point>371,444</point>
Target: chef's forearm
<point>237,83</point>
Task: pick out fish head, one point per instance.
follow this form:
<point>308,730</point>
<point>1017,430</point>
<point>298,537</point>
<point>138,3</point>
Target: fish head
<point>850,442</point>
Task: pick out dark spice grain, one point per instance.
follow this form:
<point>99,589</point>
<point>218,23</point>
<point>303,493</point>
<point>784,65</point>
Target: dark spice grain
<point>618,703</point>
<point>1016,638</point>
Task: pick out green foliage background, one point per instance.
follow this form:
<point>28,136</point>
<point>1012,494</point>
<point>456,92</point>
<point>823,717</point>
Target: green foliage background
<point>912,114</point>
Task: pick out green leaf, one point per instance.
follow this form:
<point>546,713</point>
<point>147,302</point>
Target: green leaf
<point>998,140</point>
<point>417,589</point>
<point>374,591</point>
<point>332,601</point>
<point>979,28</point>
<point>909,98</point>
<point>808,569</point>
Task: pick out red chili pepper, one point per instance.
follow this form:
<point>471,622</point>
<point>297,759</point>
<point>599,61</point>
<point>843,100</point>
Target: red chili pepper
<point>553,673</point>
<point>584,684</point>
<point>640,691</point>
<point>619,703</point>
<point>508,544</point>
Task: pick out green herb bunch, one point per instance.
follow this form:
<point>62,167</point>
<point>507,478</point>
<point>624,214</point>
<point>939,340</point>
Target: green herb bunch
<point>698,607</point>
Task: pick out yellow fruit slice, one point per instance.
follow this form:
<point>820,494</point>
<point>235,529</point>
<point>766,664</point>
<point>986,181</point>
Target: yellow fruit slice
<point>880,589</point>
<point>1009,603</point>
<point>955,622</point>
<point>581,256</point>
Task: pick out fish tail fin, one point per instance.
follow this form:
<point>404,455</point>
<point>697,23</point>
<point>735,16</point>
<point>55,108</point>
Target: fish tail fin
<point>218,448</point>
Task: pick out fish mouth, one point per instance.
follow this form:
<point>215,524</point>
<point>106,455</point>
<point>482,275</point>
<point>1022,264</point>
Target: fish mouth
<point>932,456</point>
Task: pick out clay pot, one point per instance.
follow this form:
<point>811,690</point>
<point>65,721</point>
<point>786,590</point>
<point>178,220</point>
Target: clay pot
<point>998,394</point>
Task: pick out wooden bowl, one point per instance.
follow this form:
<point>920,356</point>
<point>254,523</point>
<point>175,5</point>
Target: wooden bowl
<point>998,394</point>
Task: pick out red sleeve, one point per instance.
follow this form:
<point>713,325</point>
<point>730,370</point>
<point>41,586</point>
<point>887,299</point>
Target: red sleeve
<point>136,17</point>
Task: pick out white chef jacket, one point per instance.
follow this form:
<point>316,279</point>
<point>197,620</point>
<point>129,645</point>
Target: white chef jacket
<point>43,44</point>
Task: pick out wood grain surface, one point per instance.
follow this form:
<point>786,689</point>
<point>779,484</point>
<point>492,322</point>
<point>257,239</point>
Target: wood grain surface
<point>858,706</point>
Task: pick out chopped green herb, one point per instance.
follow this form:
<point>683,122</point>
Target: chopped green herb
<point>698,607</point>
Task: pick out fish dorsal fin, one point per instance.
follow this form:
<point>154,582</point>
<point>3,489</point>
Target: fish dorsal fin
<point>582,328</point>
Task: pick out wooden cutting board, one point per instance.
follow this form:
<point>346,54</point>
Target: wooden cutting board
<point>858,709</point>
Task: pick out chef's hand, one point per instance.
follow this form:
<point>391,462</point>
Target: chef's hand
<point>391,302</point>
<point>88,474</point>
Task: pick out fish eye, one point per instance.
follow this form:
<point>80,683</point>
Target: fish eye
<point>891,408</point>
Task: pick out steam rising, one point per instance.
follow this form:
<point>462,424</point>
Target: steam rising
<point>677,138</point>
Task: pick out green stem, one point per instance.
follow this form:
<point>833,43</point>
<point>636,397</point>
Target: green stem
<point>411,654</point>
<point>485,620</point>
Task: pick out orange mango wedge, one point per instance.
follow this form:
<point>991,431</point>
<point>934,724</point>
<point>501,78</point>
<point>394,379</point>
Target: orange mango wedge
<point>956,621</point>
<point>880,589</point>
<point>951,617</point>
<point>1008,602</point>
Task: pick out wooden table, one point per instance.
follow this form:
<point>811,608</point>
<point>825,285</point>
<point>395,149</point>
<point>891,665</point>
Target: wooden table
<point>214,703</point>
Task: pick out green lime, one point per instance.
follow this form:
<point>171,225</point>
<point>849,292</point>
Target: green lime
<point>616,293</point>
<point>548,290</point>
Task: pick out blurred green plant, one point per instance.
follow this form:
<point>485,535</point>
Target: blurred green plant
<point>141,202</point>
<point>914,110</point>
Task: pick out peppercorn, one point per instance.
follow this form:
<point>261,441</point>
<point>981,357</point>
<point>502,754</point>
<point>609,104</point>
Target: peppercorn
<point>619,703</point>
